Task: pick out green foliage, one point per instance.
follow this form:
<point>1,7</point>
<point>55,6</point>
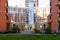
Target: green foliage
<point>14,30</point>
<point>37,31</point>
<point>48,30</point>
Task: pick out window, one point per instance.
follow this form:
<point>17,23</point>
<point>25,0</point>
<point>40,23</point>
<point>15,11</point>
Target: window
<point>50,10</point>
<point>58,25</point>
<point>59,14</point>
<point>34,5</point>
<point>14,9</point>
<point>19,10</point>
<point>27,11</point>
<point>51,17</point>
<point>0,11</point>
<point>11,9</point>
<point>59,6</point>
<point>6,10</point>
<point>6,17</point>
<point>27,1</point>
<point>58,0</point>
<point>6,3</point>
<point>6,6</point>
<point>50,3</point>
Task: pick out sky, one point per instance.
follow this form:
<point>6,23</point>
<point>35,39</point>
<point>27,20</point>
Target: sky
<point>15,2</point>
<point>21,3</point>
<point>42,3</point>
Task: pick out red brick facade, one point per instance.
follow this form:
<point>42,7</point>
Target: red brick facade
<point>54,16</point>
<point>5,18</point>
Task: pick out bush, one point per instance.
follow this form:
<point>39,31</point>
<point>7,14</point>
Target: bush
<point>48,30</point>
<point>37,31</point>
<point>14,30</point>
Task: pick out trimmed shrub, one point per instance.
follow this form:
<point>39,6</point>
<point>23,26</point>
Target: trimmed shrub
<point>37,31</point>
<point>14,30</point>
<point>48,30</point>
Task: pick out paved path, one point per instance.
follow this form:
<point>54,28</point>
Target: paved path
<point>27,32</point>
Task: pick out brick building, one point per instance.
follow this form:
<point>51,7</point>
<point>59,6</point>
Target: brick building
<point>54,16</point>
<point>4,16</point>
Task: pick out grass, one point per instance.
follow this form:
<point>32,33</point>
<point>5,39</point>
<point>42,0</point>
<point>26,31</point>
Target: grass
<point>29,37</point>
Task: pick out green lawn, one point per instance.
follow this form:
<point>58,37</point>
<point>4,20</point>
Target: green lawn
<point>29,37</point>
